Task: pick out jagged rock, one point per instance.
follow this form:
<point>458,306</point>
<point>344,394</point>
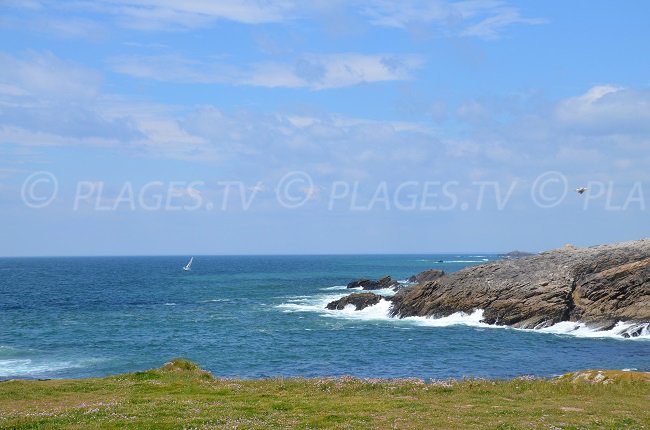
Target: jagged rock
<point>599,285</point>
<point>426,276</point>
<point>368,284</point>
<point>359,300</point>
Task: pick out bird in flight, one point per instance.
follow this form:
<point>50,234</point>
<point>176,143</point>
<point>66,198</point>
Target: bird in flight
<point>581,190</point>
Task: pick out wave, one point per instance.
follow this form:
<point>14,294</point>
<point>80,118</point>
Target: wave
<point>335,287</point>
<point>308,303</point>
<point>458,318</point>
<point>383,292</point>
<point>7,350</point>
<point>381,311</point>
<point>27,367</point>
<point>620,331</point>
<point>371,313</point>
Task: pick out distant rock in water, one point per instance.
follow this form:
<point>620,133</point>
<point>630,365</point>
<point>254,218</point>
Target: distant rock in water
<point>426,276</point>
<point>599,286</point>
<point>359,300</point>
<point>518,254</point>
<point>368,284</point>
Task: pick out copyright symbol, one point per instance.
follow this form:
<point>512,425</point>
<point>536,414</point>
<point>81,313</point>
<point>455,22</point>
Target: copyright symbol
<point>39,189</point>
<point>294,189</point>
<point>549,189</point>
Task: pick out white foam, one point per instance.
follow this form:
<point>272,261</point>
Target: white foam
<point>6,350</point>
<point>381,311</point>
<point>378,312</point>
<point>458,318</point>
<point>621,330</point>
<point>308,303</point>
<point>28,367</point>
<point>384,292</point>
<point>336,287</point>
<point>406,282</point>
<point>371,313</point>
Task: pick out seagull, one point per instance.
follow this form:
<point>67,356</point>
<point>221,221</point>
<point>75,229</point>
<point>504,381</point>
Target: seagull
<point>581,190</point>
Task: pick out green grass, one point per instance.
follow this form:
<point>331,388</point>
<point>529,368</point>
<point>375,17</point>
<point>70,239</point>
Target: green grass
<point>180,395</point>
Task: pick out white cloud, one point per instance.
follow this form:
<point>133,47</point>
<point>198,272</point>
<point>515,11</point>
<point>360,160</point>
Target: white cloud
<point>43,98</point>
<point>187,14</point>
<point>48,101</point>
<point>472,18</point>
<point>606,109</point>
<point>48,76</point>
<point>403,14</point>
<point>314,71</point>
<point>69,27</point>
<point>472,110</point>
<point>492,26</point>
<point>34,137</point>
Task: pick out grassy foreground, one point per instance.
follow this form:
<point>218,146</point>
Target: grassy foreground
<point>182,396</point>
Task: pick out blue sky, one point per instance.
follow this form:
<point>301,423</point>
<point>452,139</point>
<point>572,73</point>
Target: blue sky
<point>272,127</point>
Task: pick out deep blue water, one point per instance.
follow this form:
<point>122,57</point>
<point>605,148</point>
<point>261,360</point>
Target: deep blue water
<point>258,316</point>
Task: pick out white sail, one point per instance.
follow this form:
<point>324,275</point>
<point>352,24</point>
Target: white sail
<point>188,266</point>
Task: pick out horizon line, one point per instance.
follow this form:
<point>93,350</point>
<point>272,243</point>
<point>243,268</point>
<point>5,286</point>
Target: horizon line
<point>264,255</point>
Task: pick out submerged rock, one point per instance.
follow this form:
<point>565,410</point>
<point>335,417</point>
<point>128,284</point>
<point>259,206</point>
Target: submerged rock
<point>368,284</point>
<point>598,285</point>
<point>359,300</point>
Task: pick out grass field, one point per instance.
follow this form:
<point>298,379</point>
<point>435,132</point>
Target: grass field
<point>180,395</point>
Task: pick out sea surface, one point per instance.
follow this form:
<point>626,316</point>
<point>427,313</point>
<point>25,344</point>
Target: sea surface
<point>264,316</point>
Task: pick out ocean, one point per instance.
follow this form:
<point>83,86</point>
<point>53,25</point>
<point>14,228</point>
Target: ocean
<point>264,316</point>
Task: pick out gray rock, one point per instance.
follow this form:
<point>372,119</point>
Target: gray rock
<point>368,284</point>
<point>359,300</point>
<point>598,285</point>
<point>426,276</point>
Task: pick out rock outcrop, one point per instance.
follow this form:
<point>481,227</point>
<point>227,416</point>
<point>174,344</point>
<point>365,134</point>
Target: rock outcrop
<point>369,284</point>
<point>517,254</point>
<point>598,285</point>
<point>359,300</point>
<point>426,276</point>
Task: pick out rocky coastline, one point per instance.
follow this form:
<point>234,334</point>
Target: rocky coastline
<point>599,286</point>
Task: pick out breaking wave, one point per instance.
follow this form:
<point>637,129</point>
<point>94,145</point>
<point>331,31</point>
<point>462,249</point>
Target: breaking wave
<point>381,311</point>
<point>620,330</point>
<point>33,367</point>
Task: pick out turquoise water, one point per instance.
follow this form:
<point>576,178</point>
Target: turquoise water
<point>259,316</point>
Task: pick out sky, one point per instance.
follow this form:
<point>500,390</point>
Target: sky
<point>196,127</point>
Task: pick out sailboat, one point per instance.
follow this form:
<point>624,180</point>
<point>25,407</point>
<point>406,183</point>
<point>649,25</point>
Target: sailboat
<point>188,266</point>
